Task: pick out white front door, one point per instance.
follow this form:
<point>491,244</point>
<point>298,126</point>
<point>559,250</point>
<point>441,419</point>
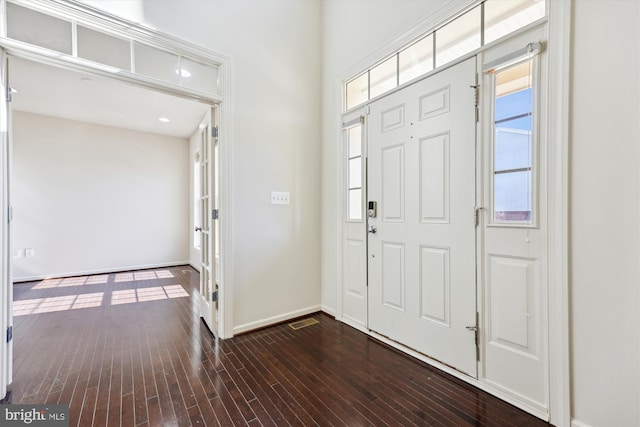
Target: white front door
<point>422,255</point>
<point>208,262</point>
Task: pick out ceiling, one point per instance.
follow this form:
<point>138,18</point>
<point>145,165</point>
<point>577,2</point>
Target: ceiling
<point>58,92</point>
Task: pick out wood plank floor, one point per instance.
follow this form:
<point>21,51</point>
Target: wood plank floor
<point>129,349</point>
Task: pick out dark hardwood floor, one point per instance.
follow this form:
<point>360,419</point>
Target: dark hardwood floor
<point>129,349</point>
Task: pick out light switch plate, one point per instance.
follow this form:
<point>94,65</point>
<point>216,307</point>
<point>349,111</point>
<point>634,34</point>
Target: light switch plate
<point>279,198</point>
<point>29,253</point>
<point>17,253</point>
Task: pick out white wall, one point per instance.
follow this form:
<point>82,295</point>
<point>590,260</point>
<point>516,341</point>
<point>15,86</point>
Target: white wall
<point>92,198</point>
<point>605,185</point>
<point>275,48</point>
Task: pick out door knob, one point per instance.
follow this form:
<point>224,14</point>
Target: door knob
<point>198,229</point>
<point>372,229</point>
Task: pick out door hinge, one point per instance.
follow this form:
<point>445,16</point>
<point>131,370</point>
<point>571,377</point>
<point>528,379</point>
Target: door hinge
<point>475,330</point>
<point>476,98</point>
<point>214,131</point>
<point>215,214</point>
<point>9,333</point>
<point>9,97</point>
<point>476,215</point>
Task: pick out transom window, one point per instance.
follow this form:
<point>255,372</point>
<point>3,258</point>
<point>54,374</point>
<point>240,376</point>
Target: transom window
<point>108,47</point>
<point>483,24</point>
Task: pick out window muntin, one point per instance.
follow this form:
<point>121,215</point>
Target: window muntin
<point>354,172</point>
<point>483,24</point>
<point>513,144</point>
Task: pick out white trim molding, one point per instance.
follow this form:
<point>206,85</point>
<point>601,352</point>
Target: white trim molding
<point>558,202</point>
<point>101,271</point>
<point>578,423</point>
<point>269,321</point>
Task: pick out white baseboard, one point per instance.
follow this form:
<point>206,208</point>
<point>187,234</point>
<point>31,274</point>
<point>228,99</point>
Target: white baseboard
<point>275,319</point>
<point>195,267</point>
<point>330,311</point>
<point>578,423</point>
<point>99,271</point>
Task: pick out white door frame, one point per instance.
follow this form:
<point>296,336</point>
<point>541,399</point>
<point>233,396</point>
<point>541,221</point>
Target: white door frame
<point>559,46</point>
<point>6,291</point>
<point>225,327</point>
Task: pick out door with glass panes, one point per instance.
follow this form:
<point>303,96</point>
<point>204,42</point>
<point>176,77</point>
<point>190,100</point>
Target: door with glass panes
<point>209,244</point>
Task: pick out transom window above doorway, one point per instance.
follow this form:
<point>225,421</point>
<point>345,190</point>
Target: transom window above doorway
<point>476,27</point>
<point>108,46</point>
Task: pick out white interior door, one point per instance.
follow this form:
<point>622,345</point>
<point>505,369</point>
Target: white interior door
<point>422,256</point>
<point>6,292</point>
<point>208,242</point>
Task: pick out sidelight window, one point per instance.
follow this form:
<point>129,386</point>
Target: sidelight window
<point>513,144</point>
<point>354,172</point>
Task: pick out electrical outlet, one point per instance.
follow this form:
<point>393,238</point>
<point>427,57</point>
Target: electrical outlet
<point>279,198</point>
<point>17,253</point>
<point>29,253</point>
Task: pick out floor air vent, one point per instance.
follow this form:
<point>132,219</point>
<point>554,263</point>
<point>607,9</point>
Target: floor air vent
<point>303,323</point>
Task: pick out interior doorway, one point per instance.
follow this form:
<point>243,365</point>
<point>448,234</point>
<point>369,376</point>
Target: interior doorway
<point>102,92</point>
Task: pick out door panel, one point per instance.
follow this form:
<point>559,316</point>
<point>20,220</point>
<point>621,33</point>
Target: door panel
<point>392,199</point>
<point>393,284</point>
<point>435,285</point>
<point>422,258</point>
<point>434,178</point>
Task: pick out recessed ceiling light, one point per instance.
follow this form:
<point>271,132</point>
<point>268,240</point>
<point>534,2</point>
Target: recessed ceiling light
<point>184,73</point>
<point>164,120</point>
